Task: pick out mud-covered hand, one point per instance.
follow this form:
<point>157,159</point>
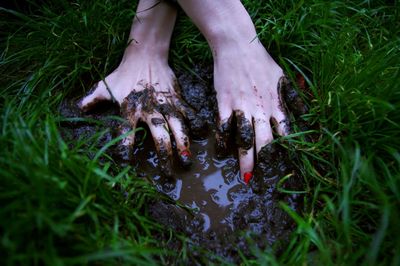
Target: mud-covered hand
<point>248,81</point>
<point>146,90</point>
<point>145,86</point>
<point>246,78</point>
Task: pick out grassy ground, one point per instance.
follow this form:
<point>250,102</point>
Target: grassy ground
<point>58,207</point>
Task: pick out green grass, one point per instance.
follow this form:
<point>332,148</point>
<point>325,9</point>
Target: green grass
<point>59,207</point>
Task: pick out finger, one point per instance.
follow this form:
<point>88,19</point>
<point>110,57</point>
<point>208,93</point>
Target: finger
<point>245,142</point>
<point>224,129</point>
<point>178,128</point>
<point>290,98</point>
<point>281,123</point>
<point>263,133</point>
<point>196,124</point>
<point>246,162</point>
<point>245,132</point>
<point>97,94</point>
<point>129,140</point>
<point>124,147</point>
<point>159,130</point>
<point>129,111</point>
<point>180,133</point>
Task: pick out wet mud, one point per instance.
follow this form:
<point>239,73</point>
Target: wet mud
<point>222,211</point>
<point>198,92</point>
<point>213,206</point>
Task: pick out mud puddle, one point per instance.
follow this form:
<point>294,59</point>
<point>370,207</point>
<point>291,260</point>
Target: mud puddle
<point>221,210</point>
<point>207,187</point>
<point>215,209</point>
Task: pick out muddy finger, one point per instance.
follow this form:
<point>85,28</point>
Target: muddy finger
<point>97,94</point>
<point>180,133</point>
<point>281,123</point>
<point>159,130</point>
<point>223,132</point>
<point>263,133</point>
<point>245,143</point>
<point>129,140</point>
<point>246,161</point>
<point>124,147</point>
<point>130,111</point>
<point>290,98</point>
<point>245,132</point>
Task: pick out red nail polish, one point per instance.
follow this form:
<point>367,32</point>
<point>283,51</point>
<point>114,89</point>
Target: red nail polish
<point>186,153</point>
<point>247,177</point>
<point>186,158</point>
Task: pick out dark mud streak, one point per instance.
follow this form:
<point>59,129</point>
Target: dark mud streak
<point>293,105</point>
<point>223,136</point>
<point>89,106</point>
<point>124,152</point>
<point>93,103</point>
<point>143,99</point>
<point>164,157</point>
<point>290,101</point>
<point>132,103</point>
<point>186,142</point>
<point>283,86</point>
<point>245,132</point>
<point>158,121</point>
<point>166,109</point>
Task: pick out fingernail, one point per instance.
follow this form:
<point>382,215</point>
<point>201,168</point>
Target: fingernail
<point>247,177</point>
<point>185,157</point>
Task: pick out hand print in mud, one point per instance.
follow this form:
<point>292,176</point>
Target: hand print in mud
<point>150,94</point>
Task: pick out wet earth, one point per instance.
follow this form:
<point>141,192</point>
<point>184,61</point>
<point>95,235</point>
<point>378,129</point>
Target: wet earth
<point>221,212</point>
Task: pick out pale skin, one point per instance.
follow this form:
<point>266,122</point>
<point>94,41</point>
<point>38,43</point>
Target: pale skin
<point>245,75</point>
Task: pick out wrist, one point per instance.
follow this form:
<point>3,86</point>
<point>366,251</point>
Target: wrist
<point>151,29</point>
<point>230,31</point>
<point>240,47</point>
<point>147,46</point>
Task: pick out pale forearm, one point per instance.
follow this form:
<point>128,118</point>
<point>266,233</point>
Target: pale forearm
<point>246,77</point>
<point>152,28</point>
<point>223,22</point>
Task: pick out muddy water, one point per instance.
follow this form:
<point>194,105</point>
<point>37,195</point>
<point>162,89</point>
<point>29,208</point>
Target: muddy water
<point>207,187</point>
<point>223,210</point>
<point>215,209</point>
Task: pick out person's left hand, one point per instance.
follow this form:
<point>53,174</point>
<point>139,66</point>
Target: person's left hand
<point>247,82</point>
